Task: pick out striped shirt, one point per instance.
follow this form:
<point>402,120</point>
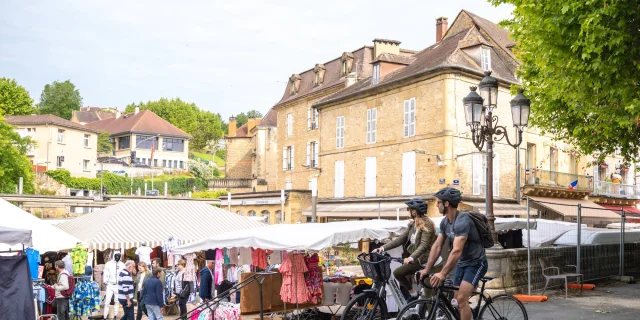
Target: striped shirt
<point>125,286</point>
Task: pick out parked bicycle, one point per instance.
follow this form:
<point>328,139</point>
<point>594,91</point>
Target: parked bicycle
<point>372,303</point>
<point>500,307</point>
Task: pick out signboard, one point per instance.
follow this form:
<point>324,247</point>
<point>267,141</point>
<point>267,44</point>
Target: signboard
<point>456,182</point>
<point>259,202</point>
<point>152,193</point>
<point>442,180</point>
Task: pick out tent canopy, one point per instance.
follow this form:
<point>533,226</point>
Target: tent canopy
<point>12,236</point>
<point>597,236</point>
<point>303,236</point>
<point>45,236</point>
<point>129,223</point>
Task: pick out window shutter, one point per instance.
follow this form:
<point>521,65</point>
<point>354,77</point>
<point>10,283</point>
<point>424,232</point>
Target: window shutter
<point>374,124</point>
<point>337,132</point>
<point>316,117</point>
<point>316,156</point>
<point>291,162</point>
<point>370,177</point>
<point>342,133</point>
<point>290,124</point>
<point>477,173</point>
<point>308,160</point>
<point>406,118</point>
<point>596,175</point>
<point>496,174</point>
<point>412,118</point>
<point>339,179</point>
<point>368,125</point>
<point>309,119</point>
<point>408,173</point>
<point>285,158</point>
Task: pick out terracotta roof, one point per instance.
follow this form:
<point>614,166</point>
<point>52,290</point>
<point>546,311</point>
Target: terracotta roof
<point>394,58</point>
<point>144,122</point>
<point>242,131</point>
<point>270,119</point>
<point>44,119</point>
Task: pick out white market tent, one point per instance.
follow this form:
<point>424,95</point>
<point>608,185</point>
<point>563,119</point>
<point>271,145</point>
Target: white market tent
<point>597,236</point>
<point>129,223</point>
<point>45,236</point>
<point>12,236</point>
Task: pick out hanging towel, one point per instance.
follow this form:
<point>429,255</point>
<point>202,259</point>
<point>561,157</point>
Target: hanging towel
<point>226,256</point>
<point>245,256</point>
<point>233,256</point>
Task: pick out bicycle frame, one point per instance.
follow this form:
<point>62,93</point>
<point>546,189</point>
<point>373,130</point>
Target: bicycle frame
<point>441,297</point>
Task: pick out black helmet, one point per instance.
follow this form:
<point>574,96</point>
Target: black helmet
<point>449,194</point>
<point>418,205</point>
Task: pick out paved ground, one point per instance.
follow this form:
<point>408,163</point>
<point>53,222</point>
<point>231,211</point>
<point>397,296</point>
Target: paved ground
<point>608,301</point>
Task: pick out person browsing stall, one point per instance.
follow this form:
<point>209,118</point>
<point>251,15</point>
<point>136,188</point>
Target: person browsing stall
<point>152,296</point>
<point>125,290</point>
<point>206,282</point>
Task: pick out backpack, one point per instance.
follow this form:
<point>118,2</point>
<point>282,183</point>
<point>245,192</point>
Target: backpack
<point>482,225</point>
<point>72,286</point>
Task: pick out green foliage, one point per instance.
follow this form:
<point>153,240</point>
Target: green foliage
<point>203,156</point>
<point>241,119</point>
<point>209,194</point>
<point>222,154</point>
<point>117,184</point>
<point>13,160</point>
<point>14,99</point>
<point>104,145</point>
<point>203,170</point>
<point>204,126</point>
<point>60,99</point>
<point>580,68</point>
<point>46,192</point>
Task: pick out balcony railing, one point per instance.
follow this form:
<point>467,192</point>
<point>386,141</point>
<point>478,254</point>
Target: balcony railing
<point>616,190</point>
<point>539,177</point>
<point>229,183</point>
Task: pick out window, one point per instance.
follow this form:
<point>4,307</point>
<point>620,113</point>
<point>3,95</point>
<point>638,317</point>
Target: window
<point>316,80</point>
<point>376,74</point>
<point>175,163</point>
<point>409,173</point>
<point>339,180</point>
<point>59,161</point>
<point>372,124</point>
<point>60,136</point>
<point>155,162</point>
<point>288,185</point>
<point>573,164</point>
<point>164,163</point>
<point>86,141</point>
<point>252,213</point>
<point>479,168</point>
<point>344,68</point>
<point>485,59</point>
<point>278,216</point>
<point>145,142</point>
<point>85,165</point>
<point>289,124</point>
<point>292,89</point>
<point>287,158</point>
<point>312,118</point>
<point>173,145</point>
<point>181,164</point>
<point>410,117</point>
<point>267,216</point>
<point>370,177</point>
<point>124,142</point>
<point>340,132</point>
<point>313,151</point>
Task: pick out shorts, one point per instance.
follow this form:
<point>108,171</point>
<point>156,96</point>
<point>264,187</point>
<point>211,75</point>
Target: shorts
<point>471,273</point>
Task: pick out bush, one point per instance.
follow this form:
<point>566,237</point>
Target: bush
<point>209,194</point>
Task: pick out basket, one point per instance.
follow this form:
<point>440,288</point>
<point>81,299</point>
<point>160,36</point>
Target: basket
<point>375,266</point>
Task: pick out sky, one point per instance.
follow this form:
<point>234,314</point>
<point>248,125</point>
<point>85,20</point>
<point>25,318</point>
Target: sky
<point>225,56</point>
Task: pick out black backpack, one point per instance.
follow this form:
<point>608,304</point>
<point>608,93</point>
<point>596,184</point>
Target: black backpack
<point>482,225</point>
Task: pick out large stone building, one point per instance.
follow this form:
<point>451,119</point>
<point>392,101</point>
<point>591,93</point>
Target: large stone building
<point>60,143</point>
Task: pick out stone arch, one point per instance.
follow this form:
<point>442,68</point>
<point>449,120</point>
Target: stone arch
<point>267,215</point>
<point>252,213</point>
<point>239,212</point>
<point>278,217</point>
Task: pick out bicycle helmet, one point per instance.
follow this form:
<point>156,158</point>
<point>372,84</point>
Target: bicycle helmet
<point>449,194</point>
<point>417,204</point>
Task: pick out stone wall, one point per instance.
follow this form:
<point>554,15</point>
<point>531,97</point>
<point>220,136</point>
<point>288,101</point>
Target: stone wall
<point>45,185</point>
<point>239,159</point>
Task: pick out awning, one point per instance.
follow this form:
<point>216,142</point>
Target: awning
<point>12,236</point>
<point>629,211</point>
<point>388,209</point>
<point>502,209</point>
<point>569,208</point>
<point>129,223</point>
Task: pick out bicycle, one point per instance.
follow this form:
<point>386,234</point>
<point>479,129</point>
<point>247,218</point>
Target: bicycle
<point>372,303</point>
<point>431,308</point>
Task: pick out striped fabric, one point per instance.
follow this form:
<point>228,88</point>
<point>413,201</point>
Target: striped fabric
<point>125,286</point>
<point>129,223</point>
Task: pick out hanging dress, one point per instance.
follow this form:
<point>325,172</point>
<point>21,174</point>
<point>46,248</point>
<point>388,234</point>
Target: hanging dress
<point>219,272</point>
<point>294,287</point>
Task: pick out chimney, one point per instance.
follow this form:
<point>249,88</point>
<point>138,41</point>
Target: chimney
<point>251,123</point>
<point>442,24</point>
<point>137,110</point>
<point>118,114</point>
<point>232,127</point>
<point>351,79</point>
<point>381,46</point>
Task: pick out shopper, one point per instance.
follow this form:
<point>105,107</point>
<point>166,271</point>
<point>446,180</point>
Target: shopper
<point>143,275</point>
<point>62,301</point>
<point>181,288</point>
<point>152,295</point>
<point>125,290</point>
<point>206,282</point>
<point>156,264</point>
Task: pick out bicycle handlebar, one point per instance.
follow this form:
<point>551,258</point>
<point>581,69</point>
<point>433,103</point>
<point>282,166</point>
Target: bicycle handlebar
<point>385,256</point>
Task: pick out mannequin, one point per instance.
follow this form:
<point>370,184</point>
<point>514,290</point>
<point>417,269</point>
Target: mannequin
<point>110,278</point>
<point>144,254</point>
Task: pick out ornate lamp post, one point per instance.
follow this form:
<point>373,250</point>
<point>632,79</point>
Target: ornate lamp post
<point>485,129</point>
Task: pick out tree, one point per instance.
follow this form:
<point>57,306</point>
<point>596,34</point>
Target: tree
<point>254,114</point>
<point>580,67</point>
<point>14,99</point>
<point>60,99</point>
<point>204,126</point>
<point>241,119</point>
<point>13,160</point>
<point>104,143</point>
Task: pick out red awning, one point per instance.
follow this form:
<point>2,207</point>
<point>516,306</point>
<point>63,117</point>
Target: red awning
<point>628,210</point>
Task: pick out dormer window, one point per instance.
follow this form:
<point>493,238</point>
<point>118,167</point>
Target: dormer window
<point>294,84</point>
<point>485,58</point>
<point>316,80</point>
<point>376,74</point>
<point>318,76</point>
<point>344,67</point>
<point>345,63</point>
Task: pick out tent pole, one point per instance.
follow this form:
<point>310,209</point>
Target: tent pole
<point>528,248</point>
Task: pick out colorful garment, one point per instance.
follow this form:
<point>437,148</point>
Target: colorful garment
<point>233,256</point>
<point>190,268</point>
<point>226,256</point>
<point>259,258</point>
<point>313,278</point>
<point>245,256</point>
<point>85,299</point>
<point>79,258</point>
<point>218,273</point>
<point>294,288</point>
<point>33,258</point>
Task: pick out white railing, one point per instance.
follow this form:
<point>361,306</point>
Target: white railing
<point>616,190</point>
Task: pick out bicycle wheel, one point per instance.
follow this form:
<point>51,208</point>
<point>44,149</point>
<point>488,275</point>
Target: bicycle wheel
<point>422,309</point>
<point>365,306</point>
<point>503,307</point>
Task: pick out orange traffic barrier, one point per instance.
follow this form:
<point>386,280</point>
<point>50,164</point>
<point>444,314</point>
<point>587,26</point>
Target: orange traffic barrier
<point>527,298</point>
<point>584,286</point>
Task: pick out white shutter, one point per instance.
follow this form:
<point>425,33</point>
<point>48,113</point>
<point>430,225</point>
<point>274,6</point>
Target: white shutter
<point>412,117</point>
<point>368,125</point>
<point>337,132</point>
<point>339,180</point>
<point>409,173</point>
<point>406,118</point>
<point>316,155</point>
<point>477,172</point>
<point>374,124</point>
<point>596,175</point>
<point>290,124</point>
<point>316,118</point>
<point>309,119</point>
<point>496,175</point>
<point>342,132</point>
<point>370,177</point>
<point>308,160</point>
<point>285,158</point>
<point>291,163</point>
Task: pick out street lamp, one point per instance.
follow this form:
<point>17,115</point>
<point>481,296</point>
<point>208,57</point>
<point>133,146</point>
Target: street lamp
<point>485,129</point>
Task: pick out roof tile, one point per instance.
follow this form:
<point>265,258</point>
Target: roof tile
<point>43,119</point>
<point>143,122</point>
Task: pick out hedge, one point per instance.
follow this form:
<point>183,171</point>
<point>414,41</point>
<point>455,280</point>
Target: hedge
<point>118,184</point>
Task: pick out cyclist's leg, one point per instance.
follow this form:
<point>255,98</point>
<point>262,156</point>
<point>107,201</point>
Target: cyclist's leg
<point>404,271</point>
<point>468,278</point>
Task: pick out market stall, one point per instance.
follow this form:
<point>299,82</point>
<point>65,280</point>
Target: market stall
<point>16,299</point>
